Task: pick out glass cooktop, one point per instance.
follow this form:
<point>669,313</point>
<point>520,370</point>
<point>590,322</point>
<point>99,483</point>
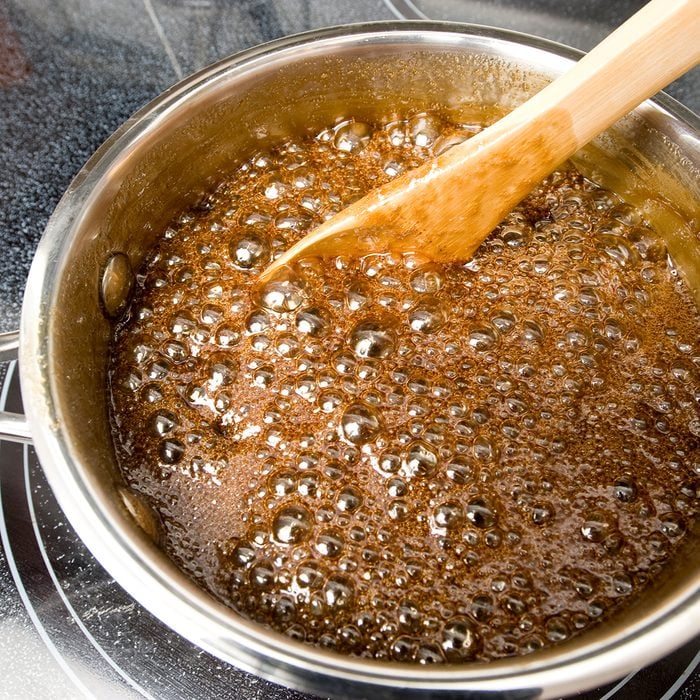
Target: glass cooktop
<point>71,71</point>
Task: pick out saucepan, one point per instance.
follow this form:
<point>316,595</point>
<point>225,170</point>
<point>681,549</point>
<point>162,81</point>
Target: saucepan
<point>159,163</point>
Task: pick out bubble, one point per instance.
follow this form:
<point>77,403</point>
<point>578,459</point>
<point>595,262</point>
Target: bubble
<point>329,400</point>
<point>282,482</point>
<point>483,449</point>
<point>296,632</point>
<point>480,513</point>
<point>393,168</point>
<point>420,460</point>
<point>196,395</point>
<point>287,345</point>
<point>597,526</point>
<point>222,402</point>
<point>460,470</point>
<point>299,221</point>
<point>310,574</point>
<point>249,250</point>
<point>305,387</point>
<point>171,451</point>
<point>226,337</point>
<point>349,499</point>
<point>310,485</point>
<point>398,509</point>
<point>460,639</point>
<point>445,142</point>
<point>264,376</point>
<point>352,136</point>
<point>175,351</point>
<point>339,592</point>
<point>275,188</point>
<point>429,653</point>
<point>515,238</point>
<point>357,534</point>
<point>371,339</point>
<point>516,404</point>
<point>262,575</point>
<point>482,338</point>
<point>282,295</point>
<point>426,280</point>
<point>200,335</point>
<point>360,424</point>
<point>211,314</point>
<point>622,583</point>
<point>482,608</point>
<point>542,513</point>
<point>329,543</point>
<point>618,249</point>
<point>344,363</point>
<point>448,515</point>
<point>511,429</point>
<point>515,604</point>
<point>532,332</point>
<point>625,489</point>
<point>588,296</point>
<point>562,293</point>
<point>691,488</point>
<point>117,285</point>
<point>242,555</point>
<point>291,524</point>
<point>408,615</point>
<point>303,178</point>
<point>357,296</point>
<point>221,371</point>
<point>403,648</point>
<point>311,321</point>
<point>142,352</point>
<point>158,370</point>
<point>672,524</point>
<point>576,338</point>
<point>257,322</point>
<point>285,609</point>
<point>503,320</point>
<point>427,317</point>
<point>396,487</point>
<point>424,129</point>
<point>595,608</point>
<point>164,422</point>
<point>584,584</point>
<point>307,460</point>
<point>351,637</point>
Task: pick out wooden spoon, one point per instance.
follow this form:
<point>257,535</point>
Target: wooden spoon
<point>446,207</point>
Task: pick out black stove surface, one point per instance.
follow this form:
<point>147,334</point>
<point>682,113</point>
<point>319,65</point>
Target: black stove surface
<point>71,71</point>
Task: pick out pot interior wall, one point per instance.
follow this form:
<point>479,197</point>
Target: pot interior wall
<point>161,165</point>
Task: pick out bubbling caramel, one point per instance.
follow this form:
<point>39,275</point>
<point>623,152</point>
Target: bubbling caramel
<point>402,460</point>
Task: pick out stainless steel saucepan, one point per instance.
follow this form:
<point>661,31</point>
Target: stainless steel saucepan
<point>161,161</point>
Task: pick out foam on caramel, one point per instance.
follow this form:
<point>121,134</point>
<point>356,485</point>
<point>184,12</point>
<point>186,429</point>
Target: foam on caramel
<point>401,459</point>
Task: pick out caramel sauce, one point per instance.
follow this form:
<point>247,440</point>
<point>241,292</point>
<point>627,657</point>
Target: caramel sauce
<point>402,459</point>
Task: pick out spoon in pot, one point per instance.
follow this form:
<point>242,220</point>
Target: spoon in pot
<point>446,207</point>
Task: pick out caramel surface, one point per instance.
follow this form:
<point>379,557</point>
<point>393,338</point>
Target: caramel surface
<point>406,460</point>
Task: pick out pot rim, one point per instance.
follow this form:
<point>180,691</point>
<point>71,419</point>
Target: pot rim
<point>178,602</point>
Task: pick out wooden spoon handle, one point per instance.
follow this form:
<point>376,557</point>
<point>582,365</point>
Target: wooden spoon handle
<point>656,45</point>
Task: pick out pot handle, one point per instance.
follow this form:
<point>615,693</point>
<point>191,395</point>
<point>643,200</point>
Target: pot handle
<point>13,426</point>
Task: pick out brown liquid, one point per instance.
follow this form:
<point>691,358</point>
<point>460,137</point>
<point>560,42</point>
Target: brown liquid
<point>403,460</point>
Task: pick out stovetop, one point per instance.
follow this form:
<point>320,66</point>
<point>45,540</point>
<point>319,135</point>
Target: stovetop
<point>71,71</point>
